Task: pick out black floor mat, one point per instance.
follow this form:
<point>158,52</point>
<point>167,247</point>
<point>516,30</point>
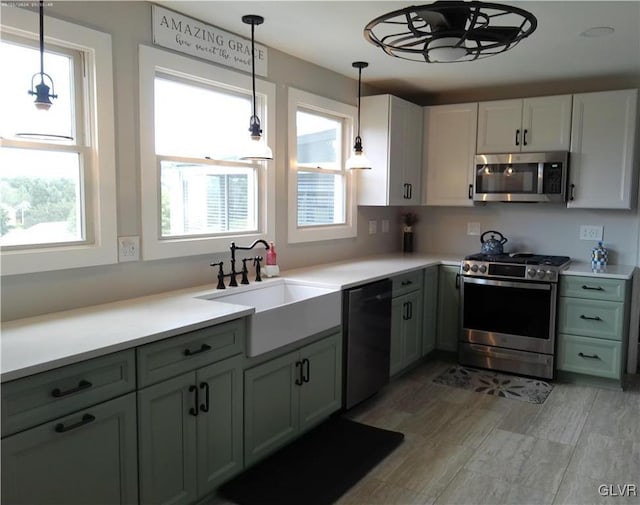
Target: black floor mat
<point>317,468</point>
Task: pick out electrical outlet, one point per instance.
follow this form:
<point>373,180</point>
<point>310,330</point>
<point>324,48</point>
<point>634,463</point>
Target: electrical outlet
<point>589,232</point>
<point>385,226</point>
<point>128,249</point>
<point>373,227</point>
<point>473,228</point>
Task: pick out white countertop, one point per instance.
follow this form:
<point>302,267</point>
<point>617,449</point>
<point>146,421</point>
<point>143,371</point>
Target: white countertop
<point>37,344</point>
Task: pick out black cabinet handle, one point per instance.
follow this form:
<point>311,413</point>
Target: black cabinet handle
<point>83,384</point>
<point>205,406</point>
<point>410,191</point>
<point>203,348</point>
<point>86,419</point>
<point>470,191</point>
<point>405,311</point>
<point>596,318</point>
<point>299,378</point>
<point>595,356</point>
<point>457,281</point>
<point>194,410</point>
<point>306,376</point>
<point>518,137</point>
<point>405,195</point>
<point>597,288</point>
<point>406,283</point>
<point>572,189</point>
<point>524,137</point>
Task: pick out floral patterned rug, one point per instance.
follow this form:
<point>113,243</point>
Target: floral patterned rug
<point>497,384</point>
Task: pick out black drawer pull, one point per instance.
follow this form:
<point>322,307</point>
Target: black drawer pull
<point>306,375</point>
<point>83,384</point>
<point>86,419</point>
<point>595,356</point>
<point>589,318</point>
<point>300,377</point>
<point>406,283</point>
<point>203,348</point>
<point>597,288</point>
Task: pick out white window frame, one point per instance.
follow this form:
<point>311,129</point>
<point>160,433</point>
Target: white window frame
<point>151,62</point>
<point>100,248</point>
<point>329,107</point>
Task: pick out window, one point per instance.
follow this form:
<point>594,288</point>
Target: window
<point>321,191</point>
<point>57,190</point>
<point>197,195</point>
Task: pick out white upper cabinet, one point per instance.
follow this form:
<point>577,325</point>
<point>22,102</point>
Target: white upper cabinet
<point>601,164</point>
<point>529,125</point>
<point>450,147</point>
<point>391,131</point>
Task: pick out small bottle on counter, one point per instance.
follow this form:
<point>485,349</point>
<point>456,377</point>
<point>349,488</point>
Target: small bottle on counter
<point>271,268</point>
<point>599,258</point>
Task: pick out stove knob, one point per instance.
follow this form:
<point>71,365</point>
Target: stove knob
<point>465,267</point>
<point>550,274</point>
<point>483,269</point>
<point>541,274</point>
<point>531,272</point>
<point>474,268</point>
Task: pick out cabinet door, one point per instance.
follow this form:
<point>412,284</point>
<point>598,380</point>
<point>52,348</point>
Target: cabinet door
<point>167,441</point>
<point>430,310</point>
<point>85,458</point>
<point>450,147</point>
<point>271,409</point>
<point>219,423</point>
<point>397,326</point>
<point>499,126</point>
<point>546,123</point>
<point>411,148</point>
<point>602,149</point>
<point>448,309</point>
<point>374,184</point>
<point>321,392</point>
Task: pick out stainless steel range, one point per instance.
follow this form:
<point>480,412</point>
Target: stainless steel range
<point>508,312</point>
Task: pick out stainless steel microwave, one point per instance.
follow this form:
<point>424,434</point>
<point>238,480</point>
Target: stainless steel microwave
<point>521,177</point>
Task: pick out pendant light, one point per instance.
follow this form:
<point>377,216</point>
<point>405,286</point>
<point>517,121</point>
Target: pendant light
<point>42,101</point>
<point>358,160</point>
<point>256,148</point>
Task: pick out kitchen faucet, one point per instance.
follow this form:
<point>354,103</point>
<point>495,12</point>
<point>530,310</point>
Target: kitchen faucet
<point>232,275</point>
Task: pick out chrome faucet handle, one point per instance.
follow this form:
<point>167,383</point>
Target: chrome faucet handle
<point>245,271</point>
<point>256,262</point>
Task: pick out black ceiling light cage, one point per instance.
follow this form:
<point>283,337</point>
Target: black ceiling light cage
<point>450,31</point>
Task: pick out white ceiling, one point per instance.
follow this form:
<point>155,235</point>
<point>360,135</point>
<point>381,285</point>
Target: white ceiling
<point>330,34</point>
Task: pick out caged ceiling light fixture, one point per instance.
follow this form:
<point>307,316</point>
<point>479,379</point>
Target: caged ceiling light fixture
<point>256,148</point>
<point>450,31</point>
<point>43,97</point>
<point>358,160</point>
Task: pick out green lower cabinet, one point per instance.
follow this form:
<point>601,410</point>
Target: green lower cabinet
<point>289,394</point>
<point>430,310</point>
<point>590,356</point>
<point>81,459</point>
<point>406,331</point>
<point>190,433</point>
<point>448,324</point>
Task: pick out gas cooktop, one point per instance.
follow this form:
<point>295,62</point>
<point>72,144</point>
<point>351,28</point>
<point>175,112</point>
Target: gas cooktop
<point>525,266</point>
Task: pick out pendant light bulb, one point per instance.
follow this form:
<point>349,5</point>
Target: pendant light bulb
<point>42,94</point>
<point>255,149</point>
<point>358,160</point>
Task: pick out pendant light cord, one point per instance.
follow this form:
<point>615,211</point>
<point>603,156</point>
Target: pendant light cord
<point>359,94</point>
<point>42,41</point>
<point>253,66</point>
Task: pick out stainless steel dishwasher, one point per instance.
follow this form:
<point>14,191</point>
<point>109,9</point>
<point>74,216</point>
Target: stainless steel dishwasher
<point>367,340</point>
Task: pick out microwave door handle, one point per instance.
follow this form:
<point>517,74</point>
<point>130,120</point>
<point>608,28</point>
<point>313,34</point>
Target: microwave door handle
<point>540,178</point>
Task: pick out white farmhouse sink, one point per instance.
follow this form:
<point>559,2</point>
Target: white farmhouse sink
<point>285,311</point>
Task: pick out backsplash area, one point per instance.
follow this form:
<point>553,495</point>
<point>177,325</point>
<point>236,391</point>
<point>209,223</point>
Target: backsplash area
<point>540,228</point>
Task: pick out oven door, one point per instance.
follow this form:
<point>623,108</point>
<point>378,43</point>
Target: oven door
<point>509,314</point>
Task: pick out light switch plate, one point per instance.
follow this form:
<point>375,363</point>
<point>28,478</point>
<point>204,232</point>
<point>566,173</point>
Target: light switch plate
<point>373,227</point>
<point>590,232</point>
<point>128,249</point>
<point>473,228</point>
<point>385,226</point>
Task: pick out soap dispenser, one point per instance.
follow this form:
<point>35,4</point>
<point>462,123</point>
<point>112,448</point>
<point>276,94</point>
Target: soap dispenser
<point>271,268</point>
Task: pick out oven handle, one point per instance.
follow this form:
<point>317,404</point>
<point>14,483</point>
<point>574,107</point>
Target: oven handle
<point>521,355</point>
<point>508,284</point>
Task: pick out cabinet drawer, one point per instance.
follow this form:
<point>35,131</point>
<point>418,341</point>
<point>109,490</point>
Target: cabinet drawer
<point>408,282</point>
<point>591,318</point>
<point>596,288</point>
<point>590,356</point>
<point>39,398</point>
<point>182,353</point>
